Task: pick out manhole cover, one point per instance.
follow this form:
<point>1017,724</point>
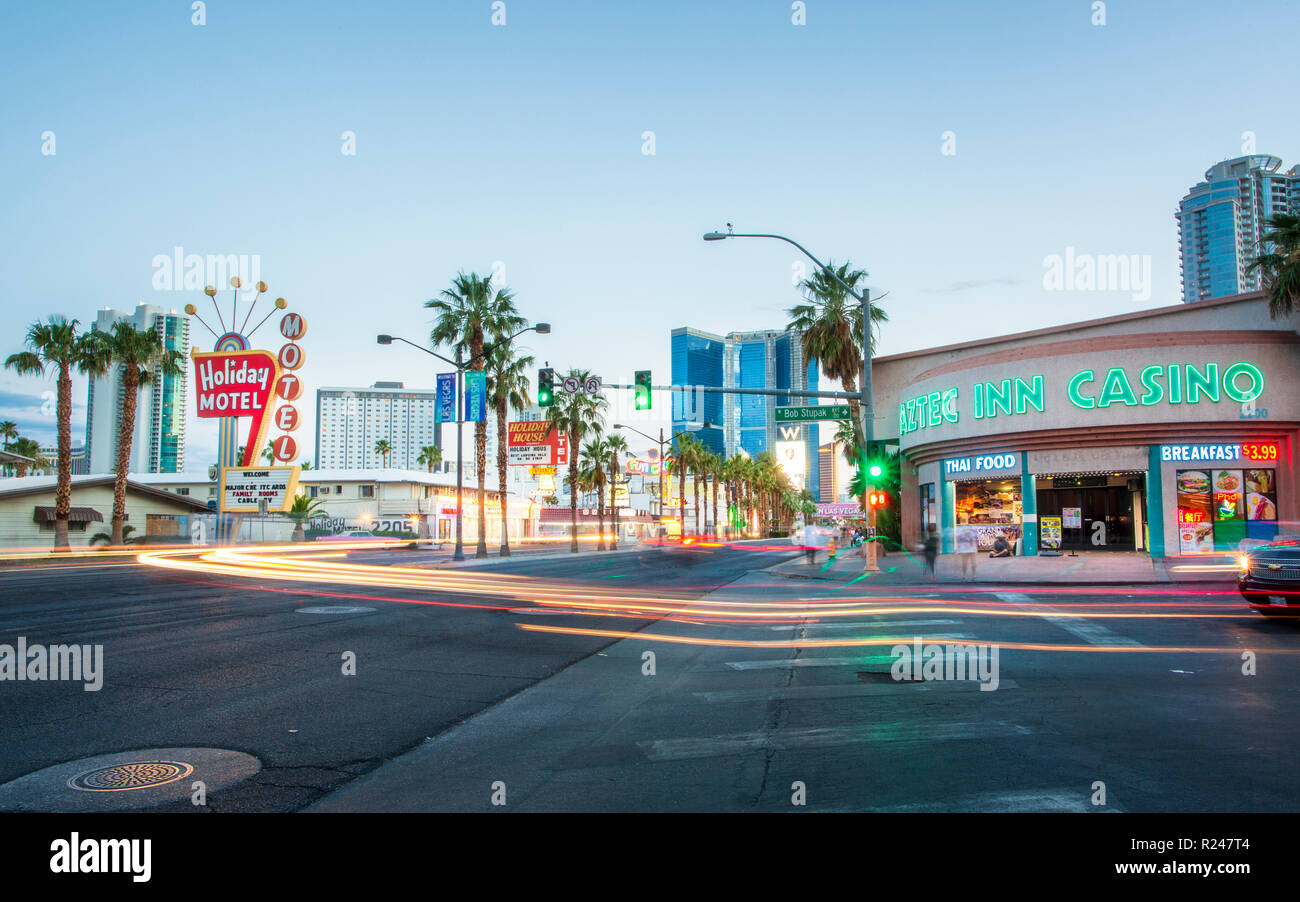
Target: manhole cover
<point>132,775</point>
<point>123,781</point>
<point>335,609</point>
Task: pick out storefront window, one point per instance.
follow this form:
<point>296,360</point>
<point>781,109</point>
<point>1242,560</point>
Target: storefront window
<point>1217,509</point>
<point>991,508</point>
<point>928,512</point>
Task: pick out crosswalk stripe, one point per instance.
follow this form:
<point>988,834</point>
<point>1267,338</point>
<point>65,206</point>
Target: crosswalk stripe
<point>1085,629</point>
<point>869,624</point>
<point>872,732</point>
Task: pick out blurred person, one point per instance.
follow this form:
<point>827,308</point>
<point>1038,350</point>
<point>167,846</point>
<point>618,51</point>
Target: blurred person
<point>931,550</point>
<point>967,548</point>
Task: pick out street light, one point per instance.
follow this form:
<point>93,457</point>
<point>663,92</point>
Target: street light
<point>664,441</point>
<point>461,365</point>
<point>868,425</point>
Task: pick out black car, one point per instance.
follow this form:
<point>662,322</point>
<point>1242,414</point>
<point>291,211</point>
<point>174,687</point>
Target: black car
<point>1269,578</point>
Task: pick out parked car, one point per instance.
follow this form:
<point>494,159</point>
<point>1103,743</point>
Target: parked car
<point>1269,578</point>
<point>351,535</point>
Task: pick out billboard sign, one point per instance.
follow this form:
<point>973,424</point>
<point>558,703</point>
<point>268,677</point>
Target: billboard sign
<point>530,444</point>
<point>244,489</point>
<point>792,458</point>
<point>237,384</point>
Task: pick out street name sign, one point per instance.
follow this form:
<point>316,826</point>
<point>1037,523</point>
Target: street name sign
<point>804,414</point>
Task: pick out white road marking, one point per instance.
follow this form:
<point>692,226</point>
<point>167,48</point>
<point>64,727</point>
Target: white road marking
<point>1072,799</point>
<point>1085,629</point>
<point>872,732</point>
<point>861,661</point>
<point>868,624</point>
<point>843,690</point>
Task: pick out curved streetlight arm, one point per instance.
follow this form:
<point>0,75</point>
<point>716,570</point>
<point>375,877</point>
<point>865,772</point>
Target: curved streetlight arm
<point>820,265</point>
<point>393,338</point>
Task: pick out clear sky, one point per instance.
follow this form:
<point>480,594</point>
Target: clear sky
<point>523,144</point>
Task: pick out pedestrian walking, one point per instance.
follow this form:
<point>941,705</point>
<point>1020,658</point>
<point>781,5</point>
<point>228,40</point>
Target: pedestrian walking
<point>931,551</point>
<point>967,549</point>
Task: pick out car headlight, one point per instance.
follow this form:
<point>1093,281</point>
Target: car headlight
<point>1243,563</point>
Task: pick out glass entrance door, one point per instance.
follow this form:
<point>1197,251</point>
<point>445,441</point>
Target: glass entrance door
<point>1105,517</point>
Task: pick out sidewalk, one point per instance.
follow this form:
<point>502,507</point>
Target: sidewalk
<point>1089,568</point>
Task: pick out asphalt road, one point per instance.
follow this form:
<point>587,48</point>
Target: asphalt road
<point>224,663</point>
<point>573,722</point>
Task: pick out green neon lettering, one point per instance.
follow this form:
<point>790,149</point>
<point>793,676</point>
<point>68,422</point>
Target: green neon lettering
<point>1206,383</point>
<point>1029,394</point>
<point>1072,389</point>
<point>979,400</point>
<point>950,405</point>
<point>1116,388</point>
<point>998,397</point>
<point>1175,384</point>
<point>936,415</point>
<point>1230,382</point>
<point>1154,390</point>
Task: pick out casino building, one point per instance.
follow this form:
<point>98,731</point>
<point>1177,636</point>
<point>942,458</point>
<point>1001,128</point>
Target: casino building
<point>1170,431</point>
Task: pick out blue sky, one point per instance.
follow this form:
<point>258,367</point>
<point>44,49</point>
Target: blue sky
<point>523,144</point>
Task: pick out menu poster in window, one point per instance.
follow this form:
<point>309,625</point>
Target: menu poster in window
<point>1072,517</point>
<point>1195,538</point>
<point>1228,495</point>
<point>1261,495</point>
<point>1049,533</point>
<point>1194,497</point>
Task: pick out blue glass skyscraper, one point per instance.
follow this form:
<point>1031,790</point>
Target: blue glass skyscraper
<point>1222,220</point>
<point>745,424</point>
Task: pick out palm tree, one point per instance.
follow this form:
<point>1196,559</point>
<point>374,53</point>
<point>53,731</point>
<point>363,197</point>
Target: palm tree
<point>104,538</point>
<point>28,447</point>
<point>468,316</point>
<point>383,448</point>
<point>1280,264</point>
<point>576,415</point>
<point>430,456</point>
<point>143,358</point>
<point>9,432</point>
<point>713,468</point>
<point>615,445</point>
<point>830,326</point>
<point>268,453</point>
<point>55,343</point>
<point>507,386</point>
<point>303,509</point>
<point>306,465</point>
<point>594,455</point>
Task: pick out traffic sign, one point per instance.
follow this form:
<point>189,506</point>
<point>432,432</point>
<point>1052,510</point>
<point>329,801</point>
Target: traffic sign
<point>803,414</point>
<point>592,386</point>
<point>570,385</point>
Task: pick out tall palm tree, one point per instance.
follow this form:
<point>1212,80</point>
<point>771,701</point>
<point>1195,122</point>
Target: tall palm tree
<point>143,358</point>
<point>688,459</point>
<point>383,447</point>
<point>430,456</point>
<point>577,415</point>
<point>830,326</point>
<point>615,445</point>
<point>594,455</point>
<point>1280,264</point>
<point>713,468</point>
<point>8,432</point>
<point>28,447</point>
<point>55,343</point>
<point>469,315</point>
<point>507,386</point>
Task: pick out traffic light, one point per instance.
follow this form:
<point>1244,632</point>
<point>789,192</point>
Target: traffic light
<point>877,456</point>
<point>642,389</point>
<point>545,387</point>
<point>877,499</point>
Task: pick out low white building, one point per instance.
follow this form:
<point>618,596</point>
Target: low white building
<point>27,511</point>
<point>383,501</point>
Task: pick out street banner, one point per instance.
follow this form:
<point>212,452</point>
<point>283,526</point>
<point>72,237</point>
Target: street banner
<point>242,489</point>
<point>235,384</point>
<point>446,410</point>
<point>529,444</point>
<point>475,396</point>
<point>853,509</point>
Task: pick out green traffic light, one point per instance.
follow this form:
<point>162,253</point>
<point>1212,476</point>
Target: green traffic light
<point>874,470</point>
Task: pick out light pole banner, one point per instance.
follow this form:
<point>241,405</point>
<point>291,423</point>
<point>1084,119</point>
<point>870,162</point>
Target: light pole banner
<point>475,396</point>
<point>446,412</point>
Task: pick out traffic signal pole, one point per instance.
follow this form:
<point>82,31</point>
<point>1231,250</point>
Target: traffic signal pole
<point>868,434</point>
